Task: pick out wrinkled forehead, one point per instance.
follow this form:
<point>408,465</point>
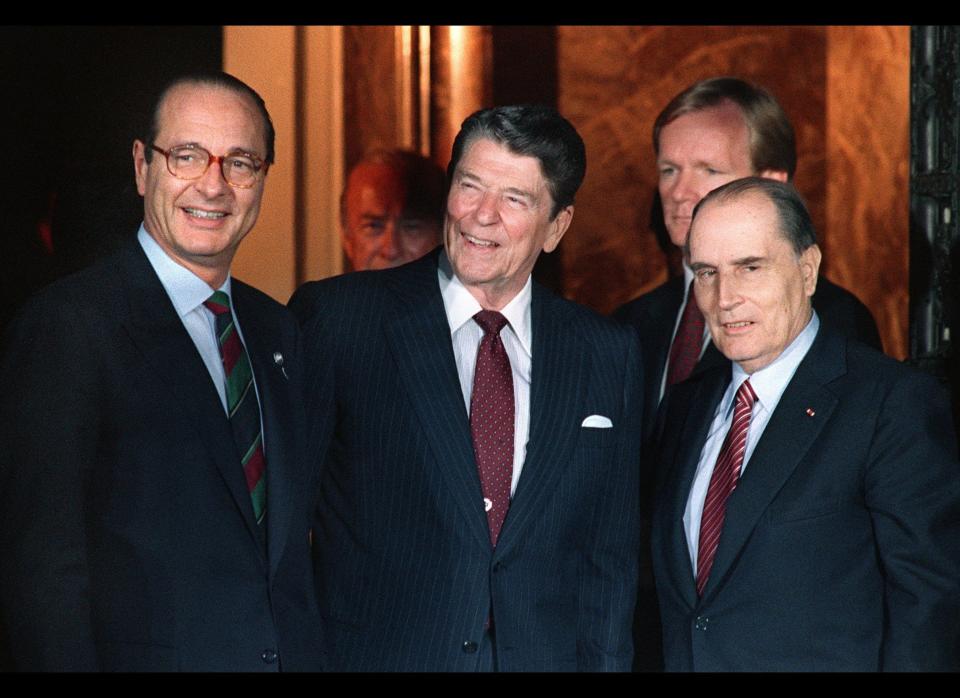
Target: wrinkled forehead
<point>749,214</point>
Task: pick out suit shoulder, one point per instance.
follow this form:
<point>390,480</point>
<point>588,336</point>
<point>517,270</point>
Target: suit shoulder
<point>351,292</point>
<point>366,295</point>
<point>843,312</point>
<point>664,298</point>
<point>91,289</point>
<point>867,364</point>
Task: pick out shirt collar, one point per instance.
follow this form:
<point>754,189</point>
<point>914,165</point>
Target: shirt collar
<point>687,278</point>
<point>186,290</point>
<point>461,306</point>
<point>770,381</point>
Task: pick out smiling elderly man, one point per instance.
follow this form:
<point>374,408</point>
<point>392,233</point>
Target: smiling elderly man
<point>479,506</point>
<point>808,515</point>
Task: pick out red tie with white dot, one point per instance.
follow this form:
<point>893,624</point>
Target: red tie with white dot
<point>492,420</point>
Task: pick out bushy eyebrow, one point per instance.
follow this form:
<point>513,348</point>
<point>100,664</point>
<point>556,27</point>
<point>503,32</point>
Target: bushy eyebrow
<point>742,262</point>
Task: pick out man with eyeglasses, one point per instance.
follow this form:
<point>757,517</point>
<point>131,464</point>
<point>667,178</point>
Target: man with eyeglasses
<point>153,490</point>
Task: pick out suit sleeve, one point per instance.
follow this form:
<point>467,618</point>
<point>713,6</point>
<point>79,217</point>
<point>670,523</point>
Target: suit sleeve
<point>48,443</point>
<point>609,581</point>
<point>912,489</point>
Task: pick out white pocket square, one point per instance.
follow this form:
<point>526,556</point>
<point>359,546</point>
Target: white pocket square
<point>597,421</point>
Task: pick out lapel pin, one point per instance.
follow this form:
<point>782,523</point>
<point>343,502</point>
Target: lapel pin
<point>278,360</point>
<point>810,412</point>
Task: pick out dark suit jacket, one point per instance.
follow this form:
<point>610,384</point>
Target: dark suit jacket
<point>128,534</point>
<point>407,577</point>
<point>841,544</point>
<point>654,315</point>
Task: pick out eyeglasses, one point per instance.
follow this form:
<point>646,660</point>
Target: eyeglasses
<point>241,170</point>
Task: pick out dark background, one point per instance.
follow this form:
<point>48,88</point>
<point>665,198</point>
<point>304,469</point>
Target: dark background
<point>75,98</point>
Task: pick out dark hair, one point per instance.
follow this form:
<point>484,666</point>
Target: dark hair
<point>796,225</point>
<point>773,145</point>
<point>211,79</point>
<point>424,179</point>
<point>535,130</point>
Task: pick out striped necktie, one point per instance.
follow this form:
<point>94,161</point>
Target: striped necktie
<point>242,406</point>
<point>723,481</point>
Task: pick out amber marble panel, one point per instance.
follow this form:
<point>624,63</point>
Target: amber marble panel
<point>613,81</point>
<point>868,168</point>
<point>370,111</point>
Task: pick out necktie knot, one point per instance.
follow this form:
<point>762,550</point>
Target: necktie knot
<point>746,395</point>
<point>490,321</point>
<point>218,303</point>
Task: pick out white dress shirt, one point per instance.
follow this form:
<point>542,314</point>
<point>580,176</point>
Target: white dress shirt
<point>768,383</point>
<point>516,335</point>
<point>187,292</point>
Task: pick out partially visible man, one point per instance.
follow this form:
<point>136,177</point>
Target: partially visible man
<point>711,133</point>
<point>155,496</point>
<point>479,505</point>
<point>391,209</point>
<point>808,516</point>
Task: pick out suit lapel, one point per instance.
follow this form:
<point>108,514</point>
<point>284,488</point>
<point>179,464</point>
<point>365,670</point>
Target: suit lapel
<point>419,339</point>
<point>558,383</point>
<point>262,340</point>
<point>656,345</point>
<point>170,354</point>
<point>699,404</point>
<point>784,443</point>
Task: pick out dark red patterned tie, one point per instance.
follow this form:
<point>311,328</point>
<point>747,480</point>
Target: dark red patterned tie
<point>492,420</point>
<point>723,481</point>
<point>685,351</point>
<point>242,406</point>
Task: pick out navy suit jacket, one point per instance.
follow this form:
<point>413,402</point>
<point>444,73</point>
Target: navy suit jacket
<point>841,545</point>
<point>406,573</point>
<point>128,534</point>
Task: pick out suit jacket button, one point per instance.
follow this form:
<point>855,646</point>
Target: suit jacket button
<point>701,623</point>
<point>469,647</point>
<point>268,656</point>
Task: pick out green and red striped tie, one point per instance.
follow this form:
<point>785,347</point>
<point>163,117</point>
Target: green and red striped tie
<point>242,406</point>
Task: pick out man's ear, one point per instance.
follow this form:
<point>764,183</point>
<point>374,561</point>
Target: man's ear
<point>810,268</point>
<point>559,226</point>
<point>779,175</point>
<point>140,166</point>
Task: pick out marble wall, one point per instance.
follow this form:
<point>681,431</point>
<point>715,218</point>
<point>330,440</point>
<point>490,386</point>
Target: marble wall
<point>846,90</point>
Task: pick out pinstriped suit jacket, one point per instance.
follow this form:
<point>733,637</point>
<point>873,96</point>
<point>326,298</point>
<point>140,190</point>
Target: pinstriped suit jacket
<point>406,573</point>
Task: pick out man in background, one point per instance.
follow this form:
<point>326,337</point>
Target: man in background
<point>391,209</point>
